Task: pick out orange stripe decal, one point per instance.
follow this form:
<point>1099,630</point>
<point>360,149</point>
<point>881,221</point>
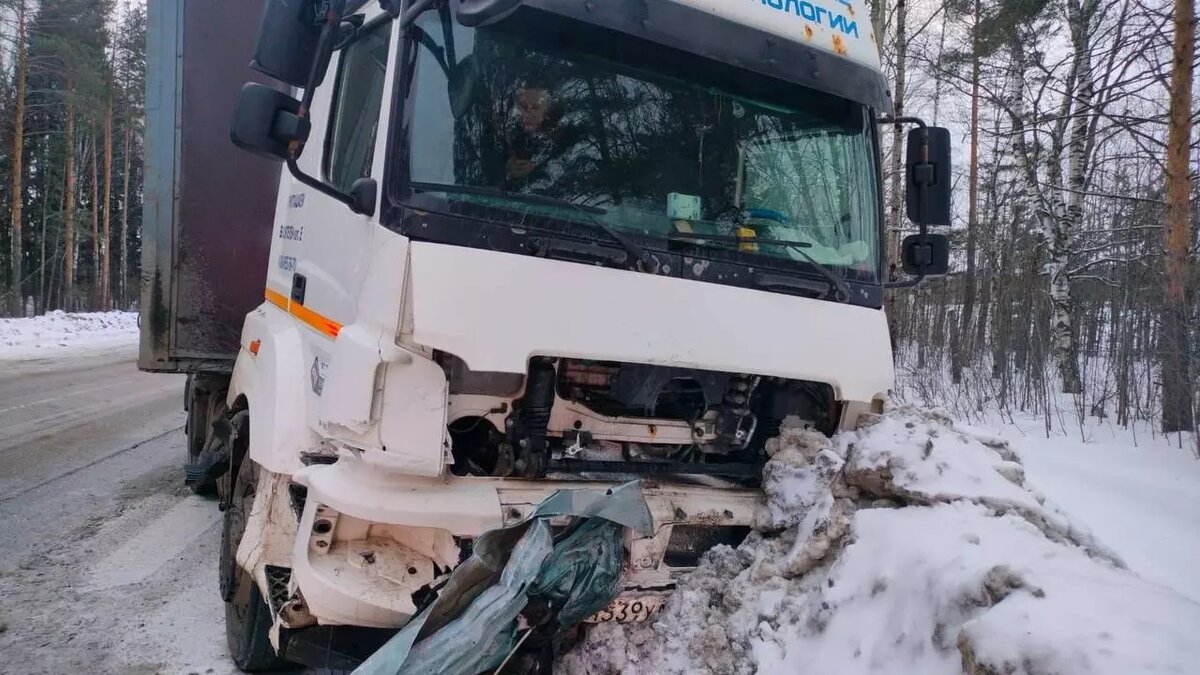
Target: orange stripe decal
<point>318,322</point>
<point>278,299</point>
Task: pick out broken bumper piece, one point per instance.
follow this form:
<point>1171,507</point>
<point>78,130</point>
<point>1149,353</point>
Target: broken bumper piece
<point>369,540</point>
<point>521,571</point>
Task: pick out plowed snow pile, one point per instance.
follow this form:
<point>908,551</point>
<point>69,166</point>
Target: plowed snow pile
<point>61,333</point>
<point>908,546</point>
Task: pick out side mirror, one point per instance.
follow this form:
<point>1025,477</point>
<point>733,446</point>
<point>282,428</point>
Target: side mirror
<point>925,255</point>
<point>462,84</point>
<point>288,41</point>
<point>927,176</point>
<point>475,13</point>
<point>267,121</point>
<point>363,195</point>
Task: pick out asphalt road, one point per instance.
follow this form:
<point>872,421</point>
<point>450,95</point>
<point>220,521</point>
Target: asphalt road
<point>107,563</point>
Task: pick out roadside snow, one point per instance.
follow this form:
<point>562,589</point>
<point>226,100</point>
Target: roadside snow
<point>909,546</point>
<point>60,333</point>
<point>1139,493</point>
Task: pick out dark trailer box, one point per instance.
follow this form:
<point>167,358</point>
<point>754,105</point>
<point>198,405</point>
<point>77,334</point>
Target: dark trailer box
<point>209,207</point>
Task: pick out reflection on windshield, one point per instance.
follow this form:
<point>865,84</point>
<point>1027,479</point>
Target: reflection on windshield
<point>658,153</point>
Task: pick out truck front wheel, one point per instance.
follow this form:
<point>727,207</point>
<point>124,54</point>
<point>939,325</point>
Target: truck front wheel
<point>247,616</point>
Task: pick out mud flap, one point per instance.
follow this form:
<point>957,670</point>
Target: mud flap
<point>521,571</point>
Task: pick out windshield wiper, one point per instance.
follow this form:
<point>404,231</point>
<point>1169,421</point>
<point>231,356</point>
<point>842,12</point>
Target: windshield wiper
<point>841,289</point>
<point>646,262</point>
<point>697,238</point>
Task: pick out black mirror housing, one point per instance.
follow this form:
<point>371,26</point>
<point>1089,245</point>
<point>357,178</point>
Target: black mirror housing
<point>363,195</point>
<point>266,121</point>
<point>926,255</point>
<point>928,176</point>
<point>476,13</point>
<point>288,41</point>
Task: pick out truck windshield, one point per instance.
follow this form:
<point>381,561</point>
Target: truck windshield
<point>653,141</point>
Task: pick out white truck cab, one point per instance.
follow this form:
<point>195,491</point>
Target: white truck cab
<point>521,246</point>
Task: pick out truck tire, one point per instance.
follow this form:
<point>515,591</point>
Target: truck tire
<point>197,404</point>
<point>195,428</point>
<point>247,616</point>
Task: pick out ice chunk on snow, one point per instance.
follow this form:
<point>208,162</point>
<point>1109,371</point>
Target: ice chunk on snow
<point>919,457</point>
<point>799,476</point>
<point>924,459</point>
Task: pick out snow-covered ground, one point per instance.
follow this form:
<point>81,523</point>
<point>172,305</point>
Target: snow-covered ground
<point>919,545</point>
<point>60,333</point>
<point>1140,494</point>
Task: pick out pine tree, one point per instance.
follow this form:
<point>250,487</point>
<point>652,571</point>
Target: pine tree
<point>68,79</point>
<point>17,167</point>
<point>1174,348</point>
<point>130,73</point>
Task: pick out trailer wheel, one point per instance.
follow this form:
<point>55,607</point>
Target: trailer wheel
<point>198,399</point>
<point>247,616</point>
<point>195,429</point>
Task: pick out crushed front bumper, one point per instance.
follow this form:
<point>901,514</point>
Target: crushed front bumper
<point>369,539</point>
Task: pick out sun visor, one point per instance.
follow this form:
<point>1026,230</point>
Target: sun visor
<point>826,45</point>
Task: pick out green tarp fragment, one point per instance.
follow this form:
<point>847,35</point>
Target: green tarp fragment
<point>472,625</point>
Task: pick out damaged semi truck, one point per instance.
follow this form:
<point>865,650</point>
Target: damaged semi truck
<point>482,250</point>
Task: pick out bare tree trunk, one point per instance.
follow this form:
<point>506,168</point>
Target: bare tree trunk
<point>94,295</point>
<point>125,222</point>
<point>968,311</point>
<point>877,7</point>
<point>105,288</point>
<point>892,230</point>
<point>68,293</point>
<point>42,290</point>
<point>937,81</point>
<point>1054,229</point>
<point>898,99</point>
<point>1080,14</point>
<point>1174,344</point>
<point>1063,344</point>
<point>18,167</point>
<point>57,273</point>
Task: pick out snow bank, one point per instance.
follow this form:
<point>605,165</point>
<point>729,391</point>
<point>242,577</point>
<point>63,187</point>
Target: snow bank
<point>1139,493</point>
<point>909,546</point>
<point>60,334</point>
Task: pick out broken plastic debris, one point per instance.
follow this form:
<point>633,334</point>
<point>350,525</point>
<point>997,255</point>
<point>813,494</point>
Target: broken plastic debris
<point>472,625</point>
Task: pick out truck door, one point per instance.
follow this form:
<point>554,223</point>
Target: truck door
<point>320,247</point>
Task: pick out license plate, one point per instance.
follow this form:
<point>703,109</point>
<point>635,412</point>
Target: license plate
<point>629,609</point>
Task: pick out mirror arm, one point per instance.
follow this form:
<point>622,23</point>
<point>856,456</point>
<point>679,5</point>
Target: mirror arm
<point>922,228</point>
<point>417,9</point>
<point>319,185</point>
<point>322,186</point>
<point>902,120</point>
<point>329,33</point>
<point>364,28</point>
<point>907,283</point>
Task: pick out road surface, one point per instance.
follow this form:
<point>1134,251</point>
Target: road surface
<point>108,564</point>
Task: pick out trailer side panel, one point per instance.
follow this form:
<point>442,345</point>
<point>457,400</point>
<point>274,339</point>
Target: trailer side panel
<point>209,206</point>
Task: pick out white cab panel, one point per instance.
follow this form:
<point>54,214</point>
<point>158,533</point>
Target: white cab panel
<point>495,310</point>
